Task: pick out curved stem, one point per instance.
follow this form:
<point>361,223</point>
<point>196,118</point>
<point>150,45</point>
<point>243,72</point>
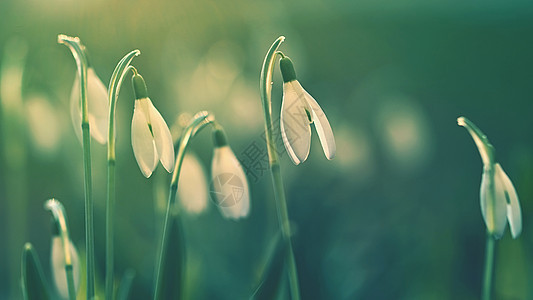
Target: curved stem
<point>197,124</point>
<point>76,48</point>
<point>60,217</point>
<point>277,182</point>
<point>114,89</point>
<point>489,266</point>
<point>486,150</point>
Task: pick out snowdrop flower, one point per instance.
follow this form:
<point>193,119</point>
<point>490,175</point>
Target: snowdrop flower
<point>98,107</point>
<point>230,187</point>
<point>298,111</point>
<point>498,197</point>
<point>150,136</point>
<point>57,261</point>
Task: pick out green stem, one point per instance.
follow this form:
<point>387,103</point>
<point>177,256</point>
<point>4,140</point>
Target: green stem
<point>114,89</point>
<point>489,266</point>
<point>199,122</point>
<point>279,192</point>
<point>76,48</point>
<point>58,211</point>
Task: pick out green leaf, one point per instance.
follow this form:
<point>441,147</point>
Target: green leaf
<point>271,279</point>
<point>174,262</point>
<point>125,285</point>
<point>34,285</point>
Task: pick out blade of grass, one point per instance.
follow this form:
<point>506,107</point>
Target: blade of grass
<point>269,285</point>
<point>124,289</point>
<point>34,285</point>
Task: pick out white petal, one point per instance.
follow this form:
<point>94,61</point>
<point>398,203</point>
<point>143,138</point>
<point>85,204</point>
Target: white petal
<point>295,129</point>
<point>325,134</point>
<point>162,138</point>
<point>514,215</point>
<point>192,185</point>
<point>58,266</point>
<point>229,185</point>
<point>98,105</point>
<point>142,141</point>
<point>493,206</point>
<point>75,107</point>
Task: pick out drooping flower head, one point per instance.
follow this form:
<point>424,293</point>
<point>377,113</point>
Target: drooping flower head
<point>98,106</point>
<point>60,259</point>
<point>57,261</point>
<point>498,197</point>
<point>229,185</point>
<point>150,136</point>
<point>298,111</point>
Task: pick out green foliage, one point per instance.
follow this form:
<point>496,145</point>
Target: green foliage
<point>34,285</point>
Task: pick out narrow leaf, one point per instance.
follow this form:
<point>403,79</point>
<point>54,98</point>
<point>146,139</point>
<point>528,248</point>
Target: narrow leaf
<point>34,284</point>
<point>174,262</point>
<point>270,283</point>
<point>124,289</point>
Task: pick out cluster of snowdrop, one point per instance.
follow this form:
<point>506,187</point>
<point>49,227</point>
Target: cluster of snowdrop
<point>93,112</point>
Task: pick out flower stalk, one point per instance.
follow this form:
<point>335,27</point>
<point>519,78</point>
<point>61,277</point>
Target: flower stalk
<point>198,123</point>
<point>489,268</point>
<point>498,199</point>
<point>117,78</point>
<point>279,192</point>
<point>75,46</point>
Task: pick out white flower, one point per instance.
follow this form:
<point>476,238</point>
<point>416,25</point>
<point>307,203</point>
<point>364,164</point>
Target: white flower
<point>98,107</point>
<point>58,266</point>
<point>498,197</point>
<point>298,111</point>
<point>150,136</point>
<point>502,201</point>
<point>229,186</point>
<point>192,185</point>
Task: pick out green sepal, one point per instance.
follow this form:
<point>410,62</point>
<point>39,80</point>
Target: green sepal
<point>270,283</point>
<point>34,284</point>
<point>219,138</point>
<point>287,69</point>
<point>139,87</point>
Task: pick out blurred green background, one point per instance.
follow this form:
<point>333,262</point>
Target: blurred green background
<point>394,216</point>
